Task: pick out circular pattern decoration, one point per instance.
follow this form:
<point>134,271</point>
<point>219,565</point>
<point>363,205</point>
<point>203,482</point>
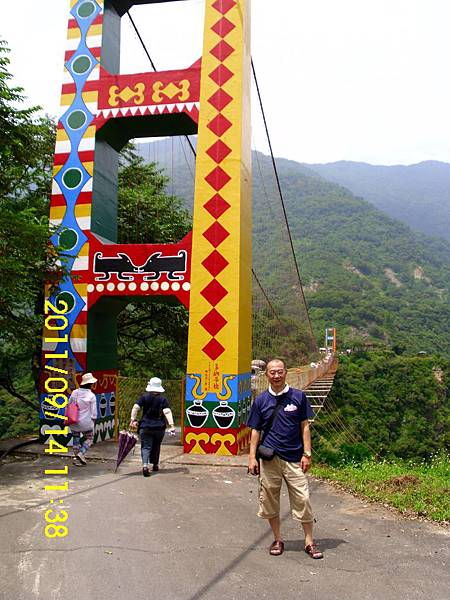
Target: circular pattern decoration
<point>90,287</point>
<point>132,286</point>
<point>175,287</point>
<point>110,287</point>
<point>85,10</point>
<point>72,178</point>
<point>68,298</point>
<point>81,64</point>
<point>99,287</point>
<point>155,286</point>
<point>76,119</point>
<point>186,286</point>
<point>144,286</point>
<point>121,286</point>
<point>165,286</point>
<point>68,239</point>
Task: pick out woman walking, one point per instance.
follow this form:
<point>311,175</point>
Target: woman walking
<point>87,407</point>
<point>155,413</point>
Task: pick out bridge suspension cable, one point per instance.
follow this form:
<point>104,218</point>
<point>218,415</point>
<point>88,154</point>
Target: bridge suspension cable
<point>331,427</point>
<point>294,256</point>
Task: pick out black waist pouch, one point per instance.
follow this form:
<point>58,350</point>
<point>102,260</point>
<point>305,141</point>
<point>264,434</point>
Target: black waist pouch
<point>264,453</point>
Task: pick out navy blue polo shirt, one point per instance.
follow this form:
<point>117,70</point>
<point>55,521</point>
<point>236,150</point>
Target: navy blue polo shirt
<point>285,435</point>
<point>153,405</point>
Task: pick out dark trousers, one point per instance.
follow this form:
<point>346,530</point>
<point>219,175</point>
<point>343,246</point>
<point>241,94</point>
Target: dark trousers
<point>151,445</point>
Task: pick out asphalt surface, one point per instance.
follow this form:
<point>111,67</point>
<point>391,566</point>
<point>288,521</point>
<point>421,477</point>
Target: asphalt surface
<point>190,532</point>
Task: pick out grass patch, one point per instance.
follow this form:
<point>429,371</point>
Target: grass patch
<point>414,488</point>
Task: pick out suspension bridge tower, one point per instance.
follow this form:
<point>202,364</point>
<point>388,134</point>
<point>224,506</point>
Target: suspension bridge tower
<point>209,271</point>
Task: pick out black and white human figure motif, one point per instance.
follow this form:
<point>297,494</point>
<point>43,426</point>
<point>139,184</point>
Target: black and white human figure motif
<point>121,265</point>
<point>156,264</point>
<point>112,404</point>
<point>102,404</point>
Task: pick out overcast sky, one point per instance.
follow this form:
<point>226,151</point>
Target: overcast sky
<point>363,80</point>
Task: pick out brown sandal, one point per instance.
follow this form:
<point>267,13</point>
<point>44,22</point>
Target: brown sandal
<point>276,548</point>
<point>313,551</point>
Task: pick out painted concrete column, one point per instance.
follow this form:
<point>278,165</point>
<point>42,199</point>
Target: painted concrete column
<point>218,390</point>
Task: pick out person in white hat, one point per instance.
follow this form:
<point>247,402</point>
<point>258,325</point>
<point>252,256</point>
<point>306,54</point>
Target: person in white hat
<point>87,414</point>
<point>155,414</point>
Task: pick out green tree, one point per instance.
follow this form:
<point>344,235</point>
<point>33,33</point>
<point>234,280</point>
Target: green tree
<point>397,405</point>
<point>26,258</point>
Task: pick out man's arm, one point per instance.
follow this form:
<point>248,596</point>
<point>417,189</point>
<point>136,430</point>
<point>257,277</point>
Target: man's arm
<point>305,461</point>
<point>253,465</point>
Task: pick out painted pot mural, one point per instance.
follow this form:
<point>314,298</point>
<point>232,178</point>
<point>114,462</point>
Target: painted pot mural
<point>223,414</point>
<point>197,414</point>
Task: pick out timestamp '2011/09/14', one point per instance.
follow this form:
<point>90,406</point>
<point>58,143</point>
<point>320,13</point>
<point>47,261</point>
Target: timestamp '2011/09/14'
<point>56,385</point>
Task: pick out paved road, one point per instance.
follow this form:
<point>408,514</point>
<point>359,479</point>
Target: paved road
<point>190,533</point>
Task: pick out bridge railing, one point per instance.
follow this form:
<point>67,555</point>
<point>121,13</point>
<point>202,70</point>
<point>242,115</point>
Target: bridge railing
<point>299,377</point>
<point>302,377</point>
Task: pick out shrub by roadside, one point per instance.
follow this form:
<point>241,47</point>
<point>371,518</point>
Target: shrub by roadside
<point>17,419</point>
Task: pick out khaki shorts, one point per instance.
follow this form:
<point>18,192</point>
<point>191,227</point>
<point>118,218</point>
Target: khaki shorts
<point>271,477</point>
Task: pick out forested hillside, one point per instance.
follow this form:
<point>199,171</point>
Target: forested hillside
<point>395,405</point>
<point>372,277</point>
<point>418,195</point>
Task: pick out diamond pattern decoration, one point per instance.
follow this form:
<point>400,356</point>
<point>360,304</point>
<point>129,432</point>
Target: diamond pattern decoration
<point>216,234</point>
<point>217,178</point>
<point>213,349</point>
<point>216,206</point>
<point>223,6</point>
<point>222,50</point>
<point>215,263</point>
<point>213,322</point>
<point>221,75</point>
<point>214,292</point>
<point>218,151</point>
<point>219,125</point>
<point>220,99</point>
<point>223,27</point>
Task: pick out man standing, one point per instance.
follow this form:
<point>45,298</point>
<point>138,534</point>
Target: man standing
<point>287,434</point>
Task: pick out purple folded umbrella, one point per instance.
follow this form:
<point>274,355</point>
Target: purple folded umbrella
<point>127,441</point>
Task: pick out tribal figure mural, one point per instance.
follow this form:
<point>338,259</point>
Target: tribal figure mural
<point>209,271</point>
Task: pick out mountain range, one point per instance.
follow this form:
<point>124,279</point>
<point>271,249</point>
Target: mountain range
<point>418,195</point>
<point>369,275</point>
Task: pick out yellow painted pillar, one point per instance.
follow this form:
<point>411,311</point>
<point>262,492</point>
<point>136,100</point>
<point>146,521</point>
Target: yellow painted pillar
<point>218,390</point>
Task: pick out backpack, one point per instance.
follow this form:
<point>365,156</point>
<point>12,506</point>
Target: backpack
<point>72,414</point>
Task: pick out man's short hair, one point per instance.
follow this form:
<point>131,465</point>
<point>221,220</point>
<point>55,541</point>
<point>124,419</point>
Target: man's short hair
<point>275,360</point>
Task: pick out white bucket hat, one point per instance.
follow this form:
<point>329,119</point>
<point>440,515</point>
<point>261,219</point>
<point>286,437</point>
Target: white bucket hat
<point>88,378</point>
<point>154,385</point>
